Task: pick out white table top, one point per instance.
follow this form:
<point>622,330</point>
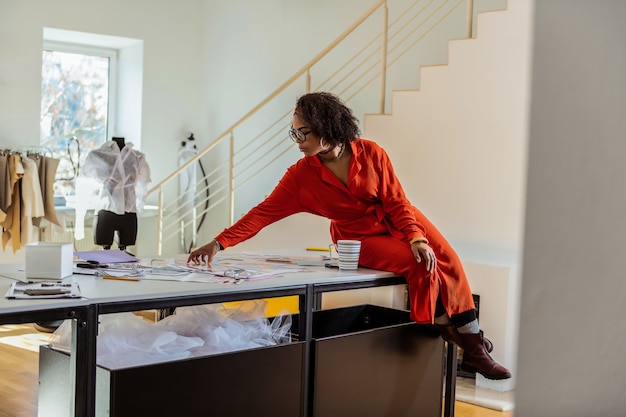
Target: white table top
<point>96,290</point>
<point>9,273</point>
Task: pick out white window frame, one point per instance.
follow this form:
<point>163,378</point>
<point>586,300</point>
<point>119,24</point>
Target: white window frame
<point>113,55</point>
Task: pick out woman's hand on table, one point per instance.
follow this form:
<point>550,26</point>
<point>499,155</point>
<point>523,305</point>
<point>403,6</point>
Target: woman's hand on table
<point>204,254</point>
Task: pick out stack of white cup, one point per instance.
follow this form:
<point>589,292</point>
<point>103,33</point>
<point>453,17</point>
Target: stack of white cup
<point>348,252</point>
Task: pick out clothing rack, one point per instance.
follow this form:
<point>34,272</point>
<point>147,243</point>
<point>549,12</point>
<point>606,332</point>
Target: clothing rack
<point>35,151</point>
<point>26,195</point>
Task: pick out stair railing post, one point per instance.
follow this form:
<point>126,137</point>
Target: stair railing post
<point>160,223</point>
<point>308,80</point>
<point>231,175</point>
<point>383,69</point>
<point>194,226</point>
<point>470,18</point>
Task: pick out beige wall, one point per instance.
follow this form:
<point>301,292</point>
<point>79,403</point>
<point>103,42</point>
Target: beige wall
<point>459,147</point>
<point>571,350</point>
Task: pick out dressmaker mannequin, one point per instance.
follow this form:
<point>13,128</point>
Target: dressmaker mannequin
<point>119,170</point>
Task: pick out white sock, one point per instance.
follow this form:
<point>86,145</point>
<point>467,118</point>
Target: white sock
<point>471,327</point>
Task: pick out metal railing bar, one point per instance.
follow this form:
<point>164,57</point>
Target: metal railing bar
<point>419,38</point>
<point>202,190</point>
<point>183,214</point>
<point>383,64</point>
<point>350,61</point>
<point>358,67</point>
<point>409,19</point>
<point>269,139</point>
<point>215,171</point>
<point>278,136</point>
<point>160,223</point>
<point>269,98</point>
<point>418,26</point>
<point>174,225</point>
<point>188,163</point>
<point>364,73</point>
<point>470,19</point>
<point>273,151</point>
<point>264,166</point>
<point>373,66</point>
<point>286,114</point>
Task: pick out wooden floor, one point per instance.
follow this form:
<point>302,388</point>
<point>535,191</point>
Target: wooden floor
<point>19,370</point>
<point>19,375</point>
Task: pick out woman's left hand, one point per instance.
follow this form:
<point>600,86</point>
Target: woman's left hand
<point>421,250</point>
<point>204,255</point>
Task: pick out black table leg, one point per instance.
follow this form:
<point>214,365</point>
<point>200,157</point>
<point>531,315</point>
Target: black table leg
<point>450,394</point>
<point>84,361</point>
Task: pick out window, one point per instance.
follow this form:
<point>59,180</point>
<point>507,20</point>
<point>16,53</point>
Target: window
<point>91,92</point>
<point>77,102</point>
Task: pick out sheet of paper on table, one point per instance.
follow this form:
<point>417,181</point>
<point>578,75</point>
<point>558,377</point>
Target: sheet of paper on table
<point>237,267</point>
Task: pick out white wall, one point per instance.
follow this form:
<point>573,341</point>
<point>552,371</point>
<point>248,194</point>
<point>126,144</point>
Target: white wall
<point>253,47</point>
<point>198,76</point>
<point>205,64</point>
<point>172,61</point>
<point>459,142</point>
<point>459,147</point>
<point>171,104</point>
<point>262,44</point>
<point>571,351</point>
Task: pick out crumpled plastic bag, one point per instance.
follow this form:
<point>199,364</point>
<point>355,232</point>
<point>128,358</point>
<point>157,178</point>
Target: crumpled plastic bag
<point>225,330</point>
<point>125,339</point>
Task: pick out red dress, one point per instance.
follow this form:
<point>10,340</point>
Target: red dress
<point>373,208</point>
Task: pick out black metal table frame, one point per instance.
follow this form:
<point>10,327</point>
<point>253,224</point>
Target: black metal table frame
<point>86,325</point>
<point>81,361</point>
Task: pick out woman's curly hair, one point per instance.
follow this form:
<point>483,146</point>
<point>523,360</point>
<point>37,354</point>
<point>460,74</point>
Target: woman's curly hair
<point>328,117</point>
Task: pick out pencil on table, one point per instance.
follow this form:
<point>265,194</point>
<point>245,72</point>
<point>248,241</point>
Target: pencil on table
<point>120,278</point>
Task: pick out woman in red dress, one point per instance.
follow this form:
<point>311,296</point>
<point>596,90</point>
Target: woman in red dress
<point>351,181</point>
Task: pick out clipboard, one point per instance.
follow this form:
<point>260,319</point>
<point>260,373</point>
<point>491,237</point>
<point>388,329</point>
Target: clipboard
<point>41,290</point>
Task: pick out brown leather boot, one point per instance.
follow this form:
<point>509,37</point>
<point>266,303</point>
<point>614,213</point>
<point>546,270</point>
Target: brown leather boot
<point>451,335</point>
<point>476,358</point>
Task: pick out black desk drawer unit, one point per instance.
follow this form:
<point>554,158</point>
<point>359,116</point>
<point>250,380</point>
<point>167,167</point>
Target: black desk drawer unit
<point>371,361</point>
<point>364,361</point>
<point>262,382</point>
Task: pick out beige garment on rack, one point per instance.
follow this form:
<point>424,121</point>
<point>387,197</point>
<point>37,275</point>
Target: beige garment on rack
<point>32,200</point>
<point>11,223</point>
<point>5,186</point>
<point>47,169</point>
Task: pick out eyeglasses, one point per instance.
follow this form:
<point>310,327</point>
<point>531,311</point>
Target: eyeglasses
<point>297,135</point>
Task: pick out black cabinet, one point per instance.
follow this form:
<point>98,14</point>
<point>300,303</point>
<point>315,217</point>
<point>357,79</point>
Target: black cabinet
<point>262,382</point>
<point>371,361</point>
<point>362,361</point>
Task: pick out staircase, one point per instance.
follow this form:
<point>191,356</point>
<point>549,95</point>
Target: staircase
<point>459,146</point>
<point>378,54</point>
